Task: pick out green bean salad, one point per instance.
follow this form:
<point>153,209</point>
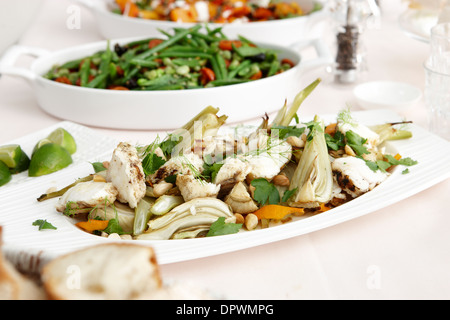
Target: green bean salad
<point>186,59</point>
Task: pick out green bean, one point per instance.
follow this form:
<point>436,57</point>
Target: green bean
<point>104,68</point>
<point>180,35</point>
<point>247,51</point>
<point>206,37</point>
<point>273,68</point>
<point>74,64</point>
<point>130,74</point>
<point>183,54</point>
<point>143,63</point>
<point>98,81</point>
<point>186,62</point>
<point>216,68</point>
<point>112,70</point>
<point>244,64</point>
<point>180,54</point>
<point>84,72</point>
<point>181,48</point>
<point>201,42</point>
<point>162,80</point>
<point>221,65</point>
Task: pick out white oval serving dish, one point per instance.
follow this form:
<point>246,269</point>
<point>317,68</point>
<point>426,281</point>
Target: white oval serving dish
<point>281,32</point>
<point>156,109</point>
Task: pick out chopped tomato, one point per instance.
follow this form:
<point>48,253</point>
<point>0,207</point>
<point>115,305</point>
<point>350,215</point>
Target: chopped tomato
<point>257,75</point>
<point>118,88</point>
<point>228,44</point>
<point>207,75</point>
<point>262,14</point>
<point>154,42</point>
<point>63,80</point>
<point>288,61</point>
<point>239,12</point>
<point>119,71</point>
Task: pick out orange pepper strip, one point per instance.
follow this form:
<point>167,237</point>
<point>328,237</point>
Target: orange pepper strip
<point>277,212</point>
<point>92,225</point>
<point>323,207</point>
<point>331,129</point>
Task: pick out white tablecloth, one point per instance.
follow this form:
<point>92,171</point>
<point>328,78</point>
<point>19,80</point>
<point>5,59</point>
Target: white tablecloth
<point>400,252</point>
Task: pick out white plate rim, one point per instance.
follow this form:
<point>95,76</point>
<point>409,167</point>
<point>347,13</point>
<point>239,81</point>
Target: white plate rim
<point>29,249</point>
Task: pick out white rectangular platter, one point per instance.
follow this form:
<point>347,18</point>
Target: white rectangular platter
<point>30,248</point>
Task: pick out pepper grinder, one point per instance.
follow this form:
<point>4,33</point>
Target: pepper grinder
<point>351,18</point>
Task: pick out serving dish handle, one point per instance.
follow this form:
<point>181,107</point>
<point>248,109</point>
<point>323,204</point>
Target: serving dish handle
<point>323,54</point>
<point>10,57</point>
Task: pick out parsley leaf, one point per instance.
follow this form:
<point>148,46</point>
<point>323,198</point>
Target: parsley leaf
<point>151,163</point>
<point>356,142</point>
<point>403,161</point>
<point>219,228</point>
<point>265,192</point>
<point>287,131</point>
<point>335,142</point>
<point>43,224</point>
<point>314,127</point>
<point>98,166</point>
<point>391,161</point>
<point>211,170</point>
<point>169,144</point>
<point>114,227</point>
<point>287,194</point>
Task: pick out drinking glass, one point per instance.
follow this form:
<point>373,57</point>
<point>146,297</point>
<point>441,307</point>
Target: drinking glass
<point>440,48</point>
<point>437,100</point>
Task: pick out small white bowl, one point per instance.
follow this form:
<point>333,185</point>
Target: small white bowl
<point>386,94</point>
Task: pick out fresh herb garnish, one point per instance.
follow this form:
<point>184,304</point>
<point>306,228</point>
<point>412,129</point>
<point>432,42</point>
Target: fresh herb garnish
<point>287,131</point>
<point>43,224</point>
<point>219,228</point>
<point>265,192</point>
<point>169,144</point>
<point>98,166</point>
<point>210,170</point>
<point>114,227</point>
<point>383,165</point>
<point>356,142</point>
<point>314,128</point>
<point>287,194</point>
<point>151,163</point>
<point>336,141</point>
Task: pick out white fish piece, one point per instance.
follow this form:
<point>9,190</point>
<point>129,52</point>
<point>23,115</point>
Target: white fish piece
<point>232,169</point>
<point>192,188</point>
<point>126,174</point>
<point>88,194</point>
<point>355,177</point>
<point>188,163</point>
<point>268,162</point>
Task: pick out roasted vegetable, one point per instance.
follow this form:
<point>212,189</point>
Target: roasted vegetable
<point>313,177</point>
<point>196,212</point>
